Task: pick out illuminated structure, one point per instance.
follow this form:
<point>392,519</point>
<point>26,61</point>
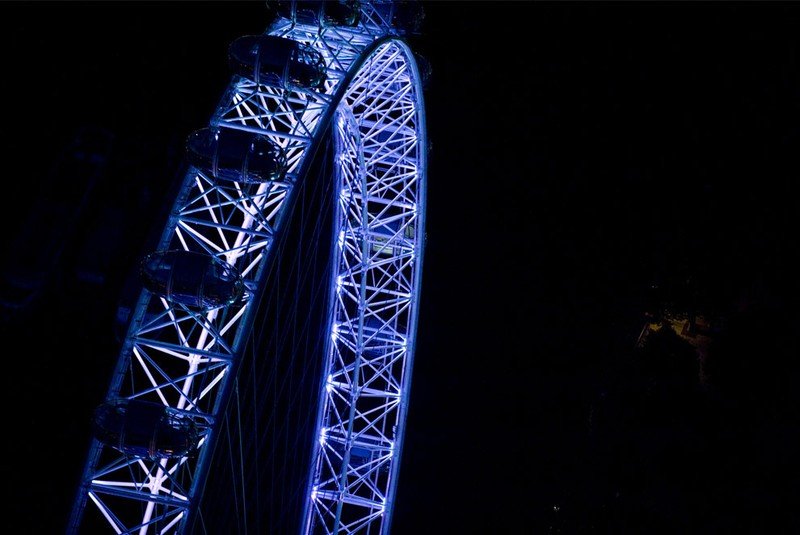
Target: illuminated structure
<point>341,65</point>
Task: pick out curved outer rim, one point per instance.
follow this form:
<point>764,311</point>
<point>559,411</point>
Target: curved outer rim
<point>422,174</point>
<point>418,261</point>
<point>310,152</point>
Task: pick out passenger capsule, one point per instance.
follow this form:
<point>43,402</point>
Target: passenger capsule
<point>235,155</point>
<point>146,429</point>
<point>321,12</point>
<point>275,61</point>
<point>192,279</point>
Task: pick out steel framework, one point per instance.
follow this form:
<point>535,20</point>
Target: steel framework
<point>185,359</point>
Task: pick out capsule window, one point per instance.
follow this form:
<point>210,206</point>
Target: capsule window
<point>193,279</point>
<point>271,60</point>
<point>321,12</point>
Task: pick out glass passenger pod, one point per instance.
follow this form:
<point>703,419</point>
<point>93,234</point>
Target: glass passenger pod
<point>146,429</point>
<point>196,280</point>
<point>235,155</point>
<point>276,61</point>
<point>321,13</point>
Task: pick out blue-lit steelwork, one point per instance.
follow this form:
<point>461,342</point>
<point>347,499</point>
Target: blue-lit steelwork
<point>184,356</point>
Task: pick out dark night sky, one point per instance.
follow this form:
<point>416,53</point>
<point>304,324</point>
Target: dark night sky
<point>580,154</point>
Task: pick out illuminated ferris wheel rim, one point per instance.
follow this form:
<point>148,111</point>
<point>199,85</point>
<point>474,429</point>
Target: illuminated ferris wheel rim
<point>359,494</point>
<point>376,449</point>
<point>345,87</point>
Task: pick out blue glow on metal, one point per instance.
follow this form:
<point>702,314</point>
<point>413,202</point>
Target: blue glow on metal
<point>382,165</point>
<point>354,479</point>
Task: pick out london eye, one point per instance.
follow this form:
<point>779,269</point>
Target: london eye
<point>330,89</point>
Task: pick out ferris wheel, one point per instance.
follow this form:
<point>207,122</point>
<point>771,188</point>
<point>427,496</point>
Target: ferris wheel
<point>336,69</point>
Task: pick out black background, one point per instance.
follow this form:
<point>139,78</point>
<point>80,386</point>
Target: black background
<point>581,154</point>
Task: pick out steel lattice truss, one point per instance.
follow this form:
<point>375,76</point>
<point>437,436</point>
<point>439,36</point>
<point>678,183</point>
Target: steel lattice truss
<point>186,359</point>
<point>376,281</point>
